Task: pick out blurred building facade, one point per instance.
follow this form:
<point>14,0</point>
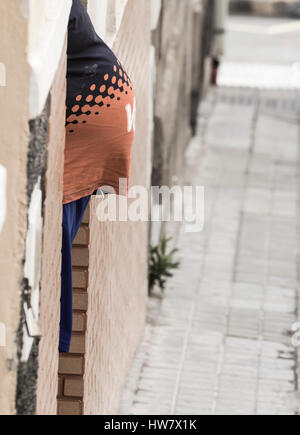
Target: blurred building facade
<point>166,45</point>
<point>182,40</point>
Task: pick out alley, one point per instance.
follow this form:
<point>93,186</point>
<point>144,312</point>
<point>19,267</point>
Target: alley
<point>220,341</point>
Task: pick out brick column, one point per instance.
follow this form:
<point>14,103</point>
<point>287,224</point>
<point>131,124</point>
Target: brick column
<point>71,366</point>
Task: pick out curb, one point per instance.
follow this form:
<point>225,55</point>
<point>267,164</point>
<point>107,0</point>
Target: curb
<point>275,8</point>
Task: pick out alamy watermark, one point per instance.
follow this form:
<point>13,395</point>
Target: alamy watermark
<point>157,204</point>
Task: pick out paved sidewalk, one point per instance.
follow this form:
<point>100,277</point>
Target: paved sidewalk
<point>220,340</point>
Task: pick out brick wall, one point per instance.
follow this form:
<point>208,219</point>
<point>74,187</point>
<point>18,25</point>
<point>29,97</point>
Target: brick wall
<point>51,259</point>
<point>118,251</point>
<point>71,366</point>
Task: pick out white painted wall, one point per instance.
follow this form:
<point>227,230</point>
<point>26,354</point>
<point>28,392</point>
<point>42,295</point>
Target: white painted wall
<point>47,26</point>
<point>3,200</point>
<point>119,11</point>
<point>107,16</point>
<point>155,13</point>
<point>98,12</point>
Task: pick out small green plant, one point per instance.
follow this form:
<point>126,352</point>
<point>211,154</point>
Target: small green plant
<point>162,264</point>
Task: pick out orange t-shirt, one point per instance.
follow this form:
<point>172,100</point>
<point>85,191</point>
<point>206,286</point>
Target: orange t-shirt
<point>100,114</point>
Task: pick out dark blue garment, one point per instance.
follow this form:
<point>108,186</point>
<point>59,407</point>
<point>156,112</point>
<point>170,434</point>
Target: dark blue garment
<point>72,217</point>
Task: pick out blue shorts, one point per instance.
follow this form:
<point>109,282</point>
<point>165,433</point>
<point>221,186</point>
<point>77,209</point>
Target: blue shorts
<point>72,217</point>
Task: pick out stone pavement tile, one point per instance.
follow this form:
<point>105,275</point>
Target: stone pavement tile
<point>281,294</point>
<point>201,375</point>
<point>280,235</point>
<point>249,266</point>
<point>196,406</point>
<point>259,180</point>
<point>160,384</point>
<point>177,307</point>
<point>225,406</point>
<point>276,349</point>
<point>239,324</point>
<point>275,406</point>
<point>235,399</point>
<point>247,411</point>
<point>278,280</point>
<point>212,324</point>
<point>221,245</point>
<point>273,135</point>
<point>244,392</point>
<point>252,240</point>
<point>241,360</point>
<point>246,263</point>
<point>207,347</point>
<point>280,333</point>
<point>287,251</point>
<point>250,333</point>
<point>150,409</point>
<point>168,342</point>
<point>286,177</point>
<point>227,224</point>
<point>257,201</point>
<point>284,204</point>
<point>249,278</point>
<point>278,365</point>
<point>261,163</point>
<point>197,410</point>
<point>196,355</point>
<point>231,128</point>
<point>241,303</point>
<point>285,374</point>
<point>219,275</point>
<point>198,367</point>
<point>214,297</point>
<point>283,269</point>
<point>255,249</point>
<point>202,383</point>
<point>289,152</point>
<point>167,354</point>
<point>162,374</point>
<point>282,322</point>
<point>220,261</point>
<point>193,394</point>
<point>207,309</point>
<point>208,338</point>
<point>247,290</point>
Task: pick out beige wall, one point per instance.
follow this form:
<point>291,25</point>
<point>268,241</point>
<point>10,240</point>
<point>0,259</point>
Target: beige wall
<point>14,98</point>
<point>118,251</point>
